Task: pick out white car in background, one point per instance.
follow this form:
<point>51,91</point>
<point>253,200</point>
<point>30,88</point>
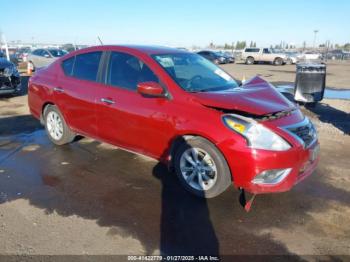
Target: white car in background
<point>253,55</point>
<point>44,56</point>
<point>292,57</point>
<point>310,55</point>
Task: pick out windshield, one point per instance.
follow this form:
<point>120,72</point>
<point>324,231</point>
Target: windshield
<point>194,73</point>
<point>57,52</point>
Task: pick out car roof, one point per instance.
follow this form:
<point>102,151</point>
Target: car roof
<point>147,49</point>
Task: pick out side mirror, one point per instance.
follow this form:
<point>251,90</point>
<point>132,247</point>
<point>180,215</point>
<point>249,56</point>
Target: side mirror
<point>150,89</point>
<point>47,55</point>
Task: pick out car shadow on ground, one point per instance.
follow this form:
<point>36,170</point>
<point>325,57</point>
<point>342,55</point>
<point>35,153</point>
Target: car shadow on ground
<point>118,190</point>
<point>12,125</point>
<point>328,114</point>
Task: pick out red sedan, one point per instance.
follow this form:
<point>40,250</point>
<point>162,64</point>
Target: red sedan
<point>181,109</point>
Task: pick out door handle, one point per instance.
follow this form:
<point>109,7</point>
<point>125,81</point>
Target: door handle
<point>107,101</point>
<point>58,89</point>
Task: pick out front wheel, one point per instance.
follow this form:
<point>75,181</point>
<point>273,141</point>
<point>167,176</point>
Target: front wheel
<point>201,168</point>
<point>56,128</point>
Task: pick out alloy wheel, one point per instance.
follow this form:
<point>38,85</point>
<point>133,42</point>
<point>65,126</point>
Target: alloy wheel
<point>198,169</point>
<point>54,125</point>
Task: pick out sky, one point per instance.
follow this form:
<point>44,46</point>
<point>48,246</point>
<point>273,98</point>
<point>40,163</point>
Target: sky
<point>180,23</point>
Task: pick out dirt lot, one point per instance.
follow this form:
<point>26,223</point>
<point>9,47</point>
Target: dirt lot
<point>91,198</point>
<point>338,73</point>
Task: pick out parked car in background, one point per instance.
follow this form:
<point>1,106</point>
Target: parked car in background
<point>215,57</point>
<point>22,54</point>
<point>229,56</point>
<point>253,55</point>
<point>181,109</point>
<point>292,57</point>
<point>10,81</point>
<point>337,54</point>
<point>309,56</point>
<point>43,57</point>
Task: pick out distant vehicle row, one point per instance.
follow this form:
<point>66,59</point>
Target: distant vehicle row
<point>217,57</point>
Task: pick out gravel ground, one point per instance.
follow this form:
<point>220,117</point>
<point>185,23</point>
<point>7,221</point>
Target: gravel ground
<point>92,198</point>
<point>338,75</point>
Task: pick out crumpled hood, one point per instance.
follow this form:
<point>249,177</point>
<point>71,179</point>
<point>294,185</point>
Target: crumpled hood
<point>4,63</point>
<point>256,97</point>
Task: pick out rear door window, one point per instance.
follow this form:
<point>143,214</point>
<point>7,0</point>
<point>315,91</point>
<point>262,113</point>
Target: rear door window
<point>252,50</point>
<point>127,71</point>
<point>67,66</point>
<point>86,66</point>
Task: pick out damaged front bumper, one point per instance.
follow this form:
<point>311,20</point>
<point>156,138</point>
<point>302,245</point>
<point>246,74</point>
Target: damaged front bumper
<point>299,162</point>
<point>10,85</point>
<point>260,171</point>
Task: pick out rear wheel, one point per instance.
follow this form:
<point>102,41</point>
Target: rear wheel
<point>201,168</point>
<point>249,60</point>
<point>57,130</point>
<point>278,61</point>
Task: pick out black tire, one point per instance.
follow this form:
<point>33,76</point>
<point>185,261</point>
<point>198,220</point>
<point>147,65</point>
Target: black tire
<point>278,61</point>
<point>223,180</point>
<point>249,60</point>
<point>67,135</point>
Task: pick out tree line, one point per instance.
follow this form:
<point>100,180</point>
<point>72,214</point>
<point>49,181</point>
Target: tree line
<point>282,45</point>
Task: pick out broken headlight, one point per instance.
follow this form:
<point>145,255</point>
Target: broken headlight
<point>257,135</point>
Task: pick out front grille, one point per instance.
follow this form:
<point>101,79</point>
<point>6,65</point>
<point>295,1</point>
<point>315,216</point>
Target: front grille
<point>304,132</point>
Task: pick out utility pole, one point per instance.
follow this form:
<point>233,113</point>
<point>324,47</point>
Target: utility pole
<point>3,39</point>
<point>327,48</point>
<point>315,34</point>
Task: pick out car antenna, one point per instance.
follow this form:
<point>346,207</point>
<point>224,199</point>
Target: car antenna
<point>99,39</point>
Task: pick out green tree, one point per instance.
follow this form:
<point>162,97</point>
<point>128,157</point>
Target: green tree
<point>347,46</point>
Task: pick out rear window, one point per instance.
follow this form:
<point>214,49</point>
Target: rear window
<point>252,50</point>
<point>86,66</point>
